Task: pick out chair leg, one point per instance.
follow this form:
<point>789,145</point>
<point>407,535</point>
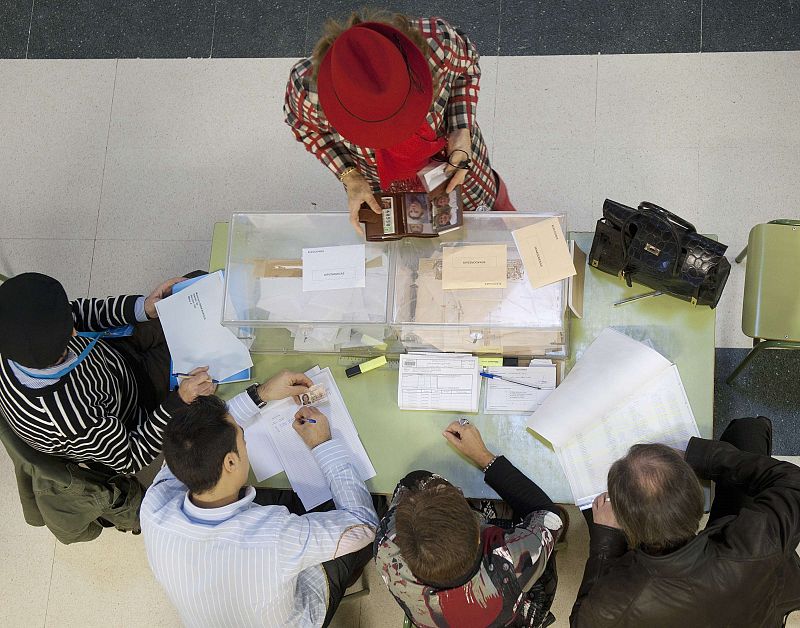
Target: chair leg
<point>741,255</point>
<point>758,347</point>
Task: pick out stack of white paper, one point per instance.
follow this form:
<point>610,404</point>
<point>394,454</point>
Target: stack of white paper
<point>438,381</point>
<point>620,393</point>
<point>191,320</point>
<point>273,445</point>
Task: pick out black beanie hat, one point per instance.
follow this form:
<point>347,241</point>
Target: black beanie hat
<point>35,320</point>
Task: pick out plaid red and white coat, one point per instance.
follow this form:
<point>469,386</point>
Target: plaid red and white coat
<point>453,61</point>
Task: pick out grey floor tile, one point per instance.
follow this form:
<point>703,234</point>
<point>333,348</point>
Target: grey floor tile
<point>487,100</point>
<point>649,26</point>
<point>348,615</point>
<point>54,125</point>
<point>741,186</point>
<point>546,102</point>
<point>542,27</point>
<point>550,180</point>
<point>192,142</point>
<point>138,266</point>
<point>69,261</point>
<point>750,98</point>
<point>81,29</point>
<point>729,309</point>
<point>259,28</point>
<point>571,561</point>
<point>15,19</point>
<point>741,25</point>
<point>479,19</point>
<point>379,609</point>
<point>664,176</point>
<point>768,387</point>
<point>27,564</point>
<point>116,585</point>
<point>648,101</point>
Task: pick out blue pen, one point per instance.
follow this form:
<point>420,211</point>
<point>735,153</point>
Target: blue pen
<point>510,381</point>
<point>213,381</point>
<point>309,421</point>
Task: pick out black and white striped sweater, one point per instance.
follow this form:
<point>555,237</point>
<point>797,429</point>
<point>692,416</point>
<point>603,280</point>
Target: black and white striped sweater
<point>93,413</point>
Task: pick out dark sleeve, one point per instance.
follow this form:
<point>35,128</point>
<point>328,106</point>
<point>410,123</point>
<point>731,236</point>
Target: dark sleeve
<point>774,486</point>
<point>516,489</point>
<point>100,314</point>
<point>606,545</point>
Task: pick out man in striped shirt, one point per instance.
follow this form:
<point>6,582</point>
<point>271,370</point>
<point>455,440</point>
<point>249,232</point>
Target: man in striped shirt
<point>225,560</point>
<point>105,403</point>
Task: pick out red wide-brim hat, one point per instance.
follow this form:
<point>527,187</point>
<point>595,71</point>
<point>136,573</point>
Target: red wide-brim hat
<point>374,85</point>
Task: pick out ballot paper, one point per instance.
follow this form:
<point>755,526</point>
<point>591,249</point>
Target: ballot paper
<point>274,446</point>
<point>544,252</point>
<point>506,397</point>
<point>334,267</point>
<point>474,266</point>
<point>191,319</point>
<point>438,381</point>
<point>619,393</point>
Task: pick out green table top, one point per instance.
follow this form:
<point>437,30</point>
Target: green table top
<point>400,441</point>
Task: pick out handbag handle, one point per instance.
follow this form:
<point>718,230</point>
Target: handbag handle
<point>648,206</point>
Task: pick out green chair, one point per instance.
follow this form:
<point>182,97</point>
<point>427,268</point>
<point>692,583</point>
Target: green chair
<point>771,309</point>
<point>3,278</point>
<point>407,623</point>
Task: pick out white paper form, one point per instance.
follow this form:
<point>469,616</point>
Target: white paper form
<point>612,365</point>
<point>658,413</point>
<point>195,336</point>
<point>509,398</point>
<point>438,381</point>
<point>334,267</point>
<point>274,446</point>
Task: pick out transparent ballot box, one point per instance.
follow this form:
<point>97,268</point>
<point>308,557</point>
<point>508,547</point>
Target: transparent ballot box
<point>403,305</point>
<point>515,320</point>
<point>266,303</point>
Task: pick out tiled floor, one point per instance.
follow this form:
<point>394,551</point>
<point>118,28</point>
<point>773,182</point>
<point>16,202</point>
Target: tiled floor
<point>114,171</point>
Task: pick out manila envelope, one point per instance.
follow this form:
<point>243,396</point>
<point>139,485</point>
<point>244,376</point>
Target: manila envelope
<point>474,266</point>
<point>544,252</point>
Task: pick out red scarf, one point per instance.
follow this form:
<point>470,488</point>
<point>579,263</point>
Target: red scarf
<point>403,161</point>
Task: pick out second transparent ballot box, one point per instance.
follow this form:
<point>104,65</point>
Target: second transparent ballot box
<point>403,305</point>
<point>266,302</point>
<point>512,320</point>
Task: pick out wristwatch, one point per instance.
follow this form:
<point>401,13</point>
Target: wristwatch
<point>252,391</point>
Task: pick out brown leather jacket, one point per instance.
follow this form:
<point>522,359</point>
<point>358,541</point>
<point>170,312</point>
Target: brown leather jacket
<point>739,571</point>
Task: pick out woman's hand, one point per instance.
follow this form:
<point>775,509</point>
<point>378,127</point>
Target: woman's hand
<point>359,191</point>
<point>458,141</point>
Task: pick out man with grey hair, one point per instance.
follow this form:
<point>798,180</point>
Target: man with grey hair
<point>648,565</point>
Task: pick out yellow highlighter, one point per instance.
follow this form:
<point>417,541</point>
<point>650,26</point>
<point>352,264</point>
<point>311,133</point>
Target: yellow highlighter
<point>365,366</point>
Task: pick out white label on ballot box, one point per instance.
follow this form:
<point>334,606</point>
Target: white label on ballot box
<point>334,267</point>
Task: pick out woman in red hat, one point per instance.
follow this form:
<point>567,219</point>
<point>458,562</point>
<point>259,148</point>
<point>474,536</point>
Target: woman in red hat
<point>382,97</point>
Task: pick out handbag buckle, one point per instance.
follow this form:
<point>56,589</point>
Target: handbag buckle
<point>694,301</point>
<point>652,249</point>
<point>595,263</point>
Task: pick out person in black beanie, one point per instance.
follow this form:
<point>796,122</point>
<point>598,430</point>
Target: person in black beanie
<point>67,390</point>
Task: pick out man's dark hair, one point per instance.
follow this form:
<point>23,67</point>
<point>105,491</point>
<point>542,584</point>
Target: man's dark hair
<point>437,533</point>
<point>656,497</point>
<point>196,441</point>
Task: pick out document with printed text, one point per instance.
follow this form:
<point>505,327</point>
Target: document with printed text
<point>334,267</point>
<point>508,397</point>
<point>274,446</point>
<point>191,319</point>
<point>619,393</point>
<point>438,381</point>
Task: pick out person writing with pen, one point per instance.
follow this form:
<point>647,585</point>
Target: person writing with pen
<point>449,565</point>
<point>228,554</point>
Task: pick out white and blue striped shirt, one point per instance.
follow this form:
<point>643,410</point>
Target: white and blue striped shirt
<point>250,565</point>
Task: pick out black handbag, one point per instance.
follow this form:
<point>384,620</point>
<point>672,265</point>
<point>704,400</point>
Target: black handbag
<point>658,249</point>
